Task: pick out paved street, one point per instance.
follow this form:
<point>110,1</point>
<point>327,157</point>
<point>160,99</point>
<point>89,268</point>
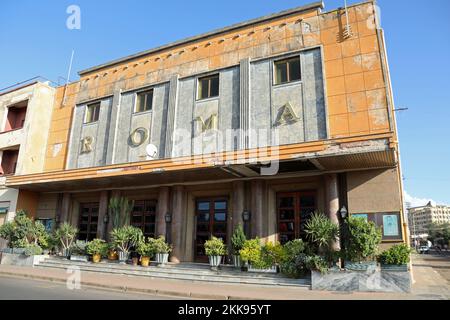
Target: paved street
<point>27,289</point>
<point>439,262</point>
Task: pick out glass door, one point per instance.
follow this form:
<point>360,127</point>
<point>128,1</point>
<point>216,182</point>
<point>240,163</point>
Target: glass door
<point>87,227</point>
<point>293,211</point>
<point>143,216</point>
<point>211,220</point>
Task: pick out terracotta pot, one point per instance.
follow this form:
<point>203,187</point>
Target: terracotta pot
<point>145,261</point>
<point>96,258</point>
<point>135,261</point>
<point>112,255</point>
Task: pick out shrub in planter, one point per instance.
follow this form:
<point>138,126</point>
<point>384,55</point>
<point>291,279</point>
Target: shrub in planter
<point>33,250</point>
<point>98,248</point>
<point>66,234</point>
<point>272,254</point>
<point>215,249</point>
<point>362,241</point>
<point>146,249</point>
<point>397,255</point>
<point>112,252</point>
<point>124,238</point>
<point>251,253</point>
<point>161,249</point>
<point>322,233</point>
<point>292,266</point>
<point>237,242</point>
<point>78,251</point>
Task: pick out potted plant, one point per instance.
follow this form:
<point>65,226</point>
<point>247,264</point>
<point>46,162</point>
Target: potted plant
<point>66,234</point>
<point>272,255</point>
<point>215,249</point>
<point>322,233</point>
<point>124,238</point>
<point>78,251</point>
<point>112,252</point>
<point>146,250</point>
<point>162,250</point>
<point>97,248</point>
<point>237,242</point>
<point>361,244</point>
<point>395,258</point>
<point>251,254</point>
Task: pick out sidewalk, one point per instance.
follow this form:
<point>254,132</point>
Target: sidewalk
<point>428,286</point>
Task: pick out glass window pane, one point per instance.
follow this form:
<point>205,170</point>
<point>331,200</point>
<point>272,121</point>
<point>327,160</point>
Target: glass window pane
<point>214,89</point>
<point>286,202</point>
<point>202,88</point>
<point>286,214</point>
<point>220,228</point>
<point>218,205</point>
<point>203,206</point>
<point>294,69</point>
<point>221,216</point>
<point>203,217</point>
<point>307,201</point>
<point>202,227</point>
<point>149,100</point>
<point>136,219</point>
<point>280,72</point>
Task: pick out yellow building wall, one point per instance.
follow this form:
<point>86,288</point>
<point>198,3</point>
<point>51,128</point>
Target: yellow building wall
<point>355,85</point>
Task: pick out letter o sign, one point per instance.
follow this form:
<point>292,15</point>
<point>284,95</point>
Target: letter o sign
<point>138,136</point>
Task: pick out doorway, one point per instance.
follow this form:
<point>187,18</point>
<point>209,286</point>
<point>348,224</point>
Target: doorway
<point>87,227</point>
<point>211,220</point>
<point>293,211</point>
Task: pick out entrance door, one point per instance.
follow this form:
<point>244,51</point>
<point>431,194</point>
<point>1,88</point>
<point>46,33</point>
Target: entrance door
<point>293,211</point>
<point>211,220</point>
<point>143,216</point>
<point>87,227</point>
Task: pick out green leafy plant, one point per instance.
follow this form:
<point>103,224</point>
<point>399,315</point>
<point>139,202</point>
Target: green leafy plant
<point>66,235</point>
<point>251,253</point>
<point>79,247</point>
<point>161,246</point>
<point>316,263</point>
<point>272,254</point>
<point>146,248</point>
<point>396,255</point>
<point>119,210</point>
<point>322,232</point>
<point>97,246</point>
<point>237,239</point>
<point>215,247</point>
<point>362,241</point>
<point>290,265</point>
<point>124,238</point>
<point>32,250</point>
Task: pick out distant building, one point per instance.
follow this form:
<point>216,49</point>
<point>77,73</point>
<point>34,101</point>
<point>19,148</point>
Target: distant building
<point>421,217</point>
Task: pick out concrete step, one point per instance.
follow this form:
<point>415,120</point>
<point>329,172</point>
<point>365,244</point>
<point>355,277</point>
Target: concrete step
<point>189,272</point>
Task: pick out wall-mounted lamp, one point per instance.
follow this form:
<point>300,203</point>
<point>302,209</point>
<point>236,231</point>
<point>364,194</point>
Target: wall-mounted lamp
<point>343,212</point>
<point>246,215</point>
<point>168,217</point>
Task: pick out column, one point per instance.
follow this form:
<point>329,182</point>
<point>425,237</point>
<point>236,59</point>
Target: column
<point>65,208</point>
<point>332,201</point>
<point>102,213</point>
<point>177,224</point>
<point>163,208</point>
<point>256,221</point>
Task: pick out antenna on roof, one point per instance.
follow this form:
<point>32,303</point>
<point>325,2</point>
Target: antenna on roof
<point>68,77</point>
<point>347,33</point>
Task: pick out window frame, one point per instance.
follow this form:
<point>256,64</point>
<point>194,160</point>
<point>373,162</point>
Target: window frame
<point>86,115</point>
<point>136,100</point>
<point>209,78</point>
<point>288,75</point>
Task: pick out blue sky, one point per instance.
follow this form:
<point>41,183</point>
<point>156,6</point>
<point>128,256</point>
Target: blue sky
<point>35,41</point>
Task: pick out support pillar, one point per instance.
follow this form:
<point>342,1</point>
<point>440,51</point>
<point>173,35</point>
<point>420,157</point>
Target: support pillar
<point>65,208</point>
<point>177,224</point>
<point>332,201</point>
<point>102,213</point>
<point>257,190</point>
<point>163,208</point>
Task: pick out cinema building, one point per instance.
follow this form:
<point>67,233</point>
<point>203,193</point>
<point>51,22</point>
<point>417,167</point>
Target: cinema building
<point>260,123</point>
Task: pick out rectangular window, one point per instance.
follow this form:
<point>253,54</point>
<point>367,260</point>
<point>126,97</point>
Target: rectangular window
<point>9,161</point>
<point>92,112</point>
<point>287,70</point>
<point>389,222</point>
<point>208,87</point>
<point>144,101</point>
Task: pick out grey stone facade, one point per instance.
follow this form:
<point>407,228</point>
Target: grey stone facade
<point>181,125</point>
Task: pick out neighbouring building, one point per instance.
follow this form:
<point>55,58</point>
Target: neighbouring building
<point>260,123</point>
<point>25,115</point>
<point>419,218</point>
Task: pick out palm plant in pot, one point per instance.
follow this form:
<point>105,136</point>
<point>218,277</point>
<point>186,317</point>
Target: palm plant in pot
<point>146,250</point>
<point>322,233</point>
<point>98,248</point>
<point>161,249</point>
<point>124,238</point>
<point>66,235</point>
<point>215,249</point>
<point>237,242</point>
